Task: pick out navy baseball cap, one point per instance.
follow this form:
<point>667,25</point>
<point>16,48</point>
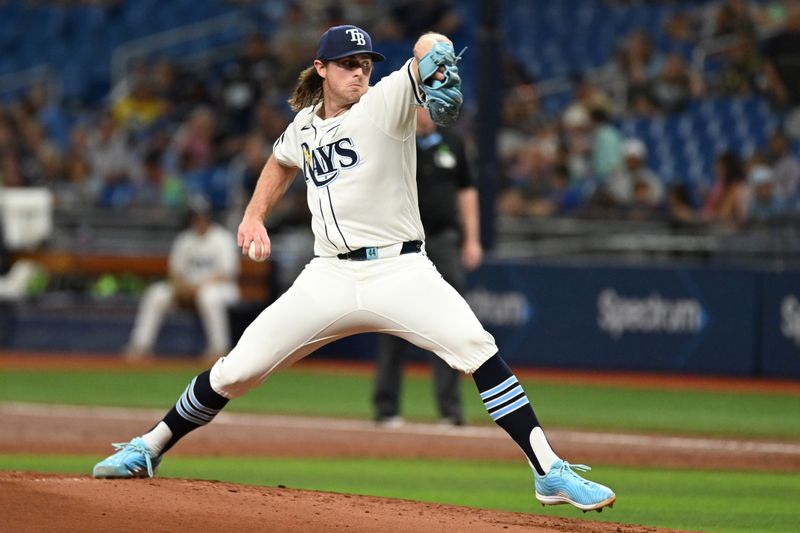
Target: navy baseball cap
<point>343,41</point>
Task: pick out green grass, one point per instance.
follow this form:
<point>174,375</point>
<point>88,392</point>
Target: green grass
<point>683,499</point>
<point>729,502</point>
<point>319,393</point>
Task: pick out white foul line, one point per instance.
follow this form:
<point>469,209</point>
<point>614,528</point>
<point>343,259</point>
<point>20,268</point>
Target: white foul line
<point>469,432</point>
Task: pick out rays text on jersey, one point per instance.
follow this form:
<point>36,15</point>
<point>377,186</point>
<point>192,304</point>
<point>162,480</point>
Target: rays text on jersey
<point>323,163</point>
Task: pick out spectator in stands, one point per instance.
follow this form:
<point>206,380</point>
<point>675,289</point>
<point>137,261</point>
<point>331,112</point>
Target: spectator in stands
<point>527,145</point>
<point>726,201</point>
<point>10,175</point>
<point>178,90</point>
<point>742,67</point>
<point>684,28</point>
<point>522,171</point>
<point>781,66</point>
<point>585,92</point>
<point>42,107</point>
<point>113,165</point>
<point>136,70</point>
<point>770,16</point>
<point>764,203</point>
<point>639,64</point>
<point>34,151</point>
<point>680,205</point>
<point>296,39</point>
<point>245,82</point>
<point>268,121</point>
<point>237,95</point>
<point>634,189</point>
<point>521,111</point>
<point>560,197</point>
<point>158,187</point>
<point>732,17</point>
<point>242,174</point>
<point>577,144</point>
<point>193,142</point>
<point>514,72</point>
<point>606,140</point>
<point>164,82</point>
<point>258,61</point>
<point>137,111</point>
<point>365,13</point>
<point>10,172</point>
<point>149,191</point>
<point>521,119</point>
<point>415,17</point>
<point>76,187</point>
<point>192,152</point>
<point>675,85</point>
<point>203,267</point>
<point>785,166</point>
<point>51,166</point>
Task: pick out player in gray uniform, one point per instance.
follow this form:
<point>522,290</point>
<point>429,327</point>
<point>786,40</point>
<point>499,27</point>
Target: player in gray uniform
<point>355,146</point>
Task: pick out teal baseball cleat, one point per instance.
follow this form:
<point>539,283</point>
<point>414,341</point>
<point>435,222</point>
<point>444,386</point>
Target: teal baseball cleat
<point>133,459</point>
<point>562,485</point>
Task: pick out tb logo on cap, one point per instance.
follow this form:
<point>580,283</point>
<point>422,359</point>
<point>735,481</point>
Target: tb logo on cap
<point>356,36</point>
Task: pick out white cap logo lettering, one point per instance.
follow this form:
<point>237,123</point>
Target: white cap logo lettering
<point>356,37</point>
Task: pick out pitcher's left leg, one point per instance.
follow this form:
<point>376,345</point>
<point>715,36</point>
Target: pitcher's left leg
<point>441,321</point>
<point>555,480</point>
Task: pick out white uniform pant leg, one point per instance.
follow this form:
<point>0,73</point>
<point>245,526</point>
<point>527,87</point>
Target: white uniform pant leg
<point>410,299</point>
<point>319,308</point>
<point>156,301</point>
<point>14,284</point>
<point>212,303</point>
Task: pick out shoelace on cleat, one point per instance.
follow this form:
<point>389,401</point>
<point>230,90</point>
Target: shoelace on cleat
<point>119,446</point>
<point>570,469</point>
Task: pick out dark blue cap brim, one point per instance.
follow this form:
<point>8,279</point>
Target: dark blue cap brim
<point>375,55</point>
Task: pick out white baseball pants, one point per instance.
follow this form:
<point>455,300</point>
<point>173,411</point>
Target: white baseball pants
<point>332,298</point>
<point>212,304</point>
<point>15,282</point>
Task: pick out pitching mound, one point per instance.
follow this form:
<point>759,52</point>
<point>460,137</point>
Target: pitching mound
<point>46,502</point>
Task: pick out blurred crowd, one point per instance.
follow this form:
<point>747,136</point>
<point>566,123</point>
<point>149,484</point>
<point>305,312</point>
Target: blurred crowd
<point>579,163</point>
<point>167,133</point>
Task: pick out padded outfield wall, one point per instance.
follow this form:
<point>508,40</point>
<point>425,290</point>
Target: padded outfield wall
<point>676,319</point>
<point>662,319</point>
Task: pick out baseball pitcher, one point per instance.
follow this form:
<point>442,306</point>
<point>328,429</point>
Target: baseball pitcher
<point>355,148</point>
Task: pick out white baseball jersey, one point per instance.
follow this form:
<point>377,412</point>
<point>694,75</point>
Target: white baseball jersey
<point>360,167</point>
<point>198,257</point>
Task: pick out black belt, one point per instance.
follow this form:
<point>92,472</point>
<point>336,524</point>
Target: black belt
<point>372,252</point>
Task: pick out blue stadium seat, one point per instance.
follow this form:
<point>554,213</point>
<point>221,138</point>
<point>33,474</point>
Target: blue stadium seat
<point>88,34</point>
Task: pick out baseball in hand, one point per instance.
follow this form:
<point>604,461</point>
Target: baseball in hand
<point>251,252</point>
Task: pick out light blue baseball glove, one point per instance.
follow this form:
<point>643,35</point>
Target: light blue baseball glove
<point>443,98</point>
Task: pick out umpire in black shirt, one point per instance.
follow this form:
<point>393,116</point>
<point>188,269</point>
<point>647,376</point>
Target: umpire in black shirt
<point>448,204</point>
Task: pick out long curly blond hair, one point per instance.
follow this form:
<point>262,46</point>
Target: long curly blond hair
<point>308,90</point>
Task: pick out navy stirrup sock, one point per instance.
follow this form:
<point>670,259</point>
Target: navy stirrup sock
<point>508,405</point>
<point>197,406</point>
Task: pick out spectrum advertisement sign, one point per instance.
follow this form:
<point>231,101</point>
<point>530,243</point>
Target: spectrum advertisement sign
<point>780,326</point>
<point>655,319</point>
